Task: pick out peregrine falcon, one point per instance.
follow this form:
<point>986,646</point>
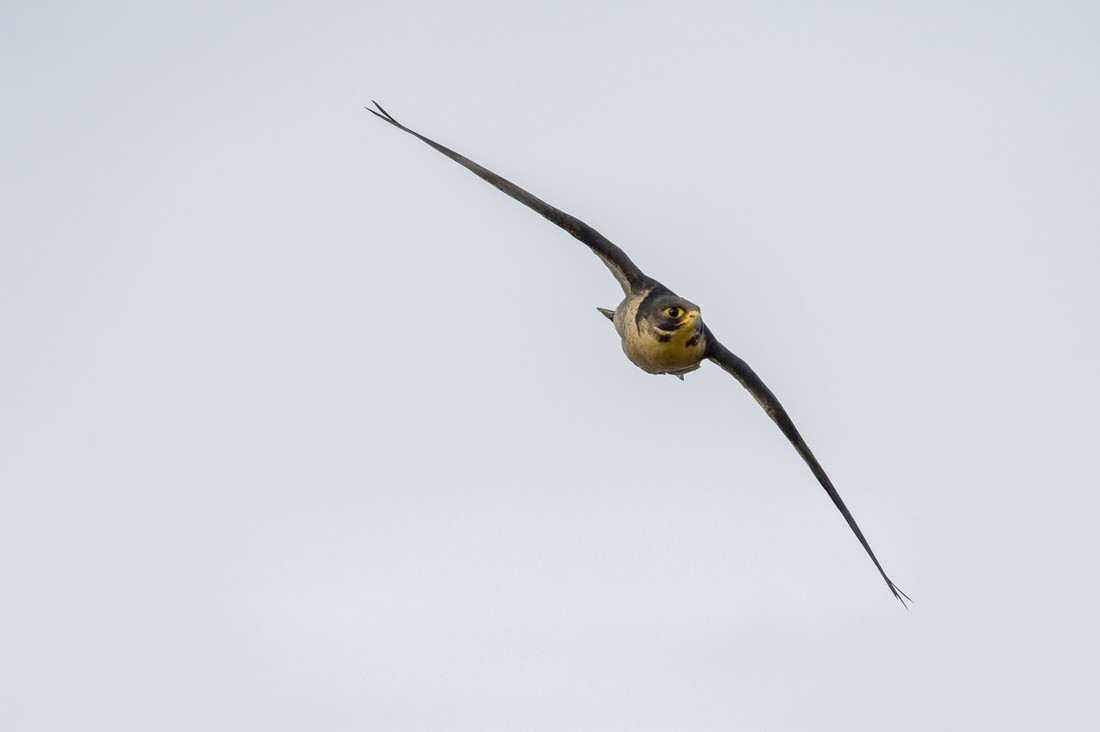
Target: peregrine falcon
<point>661,332</point>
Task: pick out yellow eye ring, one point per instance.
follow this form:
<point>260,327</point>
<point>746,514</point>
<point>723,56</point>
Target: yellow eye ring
<point>673,312</point>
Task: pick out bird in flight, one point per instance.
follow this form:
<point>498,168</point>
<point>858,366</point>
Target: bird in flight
<point>661,332</point>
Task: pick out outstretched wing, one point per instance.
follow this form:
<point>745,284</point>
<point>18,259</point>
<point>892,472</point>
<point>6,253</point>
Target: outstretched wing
<point>625,271</point>
<point>741,371</point>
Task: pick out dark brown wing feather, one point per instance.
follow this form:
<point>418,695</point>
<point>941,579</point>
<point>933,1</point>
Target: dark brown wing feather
<point>741,371</point>
<point>625,271</point>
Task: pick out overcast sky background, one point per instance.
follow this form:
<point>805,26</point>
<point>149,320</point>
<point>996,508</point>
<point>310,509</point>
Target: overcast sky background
<point>303,426</point>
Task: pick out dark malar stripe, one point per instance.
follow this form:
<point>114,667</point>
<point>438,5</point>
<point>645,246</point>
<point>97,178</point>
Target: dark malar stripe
<point>643,306</point>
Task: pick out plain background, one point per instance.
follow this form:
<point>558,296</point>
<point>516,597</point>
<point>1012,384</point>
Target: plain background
<point>305,427</point>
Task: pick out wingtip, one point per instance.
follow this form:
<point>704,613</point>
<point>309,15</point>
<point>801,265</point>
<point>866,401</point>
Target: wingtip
<point>382,113</point>
<point>902,597</point>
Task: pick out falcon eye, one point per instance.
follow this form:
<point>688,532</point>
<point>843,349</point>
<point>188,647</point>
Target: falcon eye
<point>674,312</point>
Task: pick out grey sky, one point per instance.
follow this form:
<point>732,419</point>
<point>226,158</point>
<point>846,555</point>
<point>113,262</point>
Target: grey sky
<point>305,427</point>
